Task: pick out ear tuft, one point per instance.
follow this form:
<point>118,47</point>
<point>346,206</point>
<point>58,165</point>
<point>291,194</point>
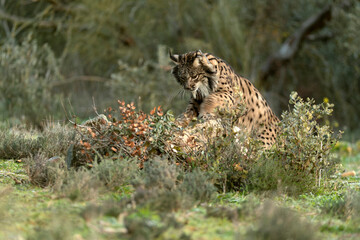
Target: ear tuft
<point>174,58</point>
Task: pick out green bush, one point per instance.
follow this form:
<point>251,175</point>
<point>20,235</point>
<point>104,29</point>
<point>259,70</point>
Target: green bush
<point>75,184</point>
<point>50,229</point>
<point>229,159</point>
<point>301,158</point>
<point>81,183</point>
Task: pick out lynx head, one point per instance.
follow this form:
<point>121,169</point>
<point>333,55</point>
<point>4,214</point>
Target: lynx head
<point>195,73</point>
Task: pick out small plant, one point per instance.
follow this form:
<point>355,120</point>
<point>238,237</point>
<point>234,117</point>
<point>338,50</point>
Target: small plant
<point>157,186</point>
<point>230,213</point>
<point>76,184</point>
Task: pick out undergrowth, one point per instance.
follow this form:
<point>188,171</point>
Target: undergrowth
<point>300,160</point>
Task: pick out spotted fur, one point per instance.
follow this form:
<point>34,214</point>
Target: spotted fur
<point>214,84</point>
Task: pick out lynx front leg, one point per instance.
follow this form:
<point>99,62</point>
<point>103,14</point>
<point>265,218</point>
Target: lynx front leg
<point>192,111</point>
<point>212,102</point>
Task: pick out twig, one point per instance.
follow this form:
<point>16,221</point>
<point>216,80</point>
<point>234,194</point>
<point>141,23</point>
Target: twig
<point>94,107</point>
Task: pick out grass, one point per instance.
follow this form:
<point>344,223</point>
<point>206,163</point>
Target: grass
<point>29,212</point>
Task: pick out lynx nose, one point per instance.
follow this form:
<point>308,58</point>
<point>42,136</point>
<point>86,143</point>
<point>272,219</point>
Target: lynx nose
<point>188,86</point>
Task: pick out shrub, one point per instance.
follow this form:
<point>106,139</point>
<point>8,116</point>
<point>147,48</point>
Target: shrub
<point>280,223</point>
<point>228,160</point>
<point>147,224</point>
<point>75,184</point>
<point>229,213</point>
<point>79,185</point>
<point>299,161</point>
<point>115,173</point>
<point>301,158</point>
<point>197,186</point>
<point>57,138</point>
<point>44,172</point>
<point>18,143</point>
<point>27,73</point>
<point>157,186</point>
<point>165,187</point>
<point>127,133</point>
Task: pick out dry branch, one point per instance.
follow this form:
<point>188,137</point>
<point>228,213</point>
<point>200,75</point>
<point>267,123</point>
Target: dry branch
<point>293,43</point>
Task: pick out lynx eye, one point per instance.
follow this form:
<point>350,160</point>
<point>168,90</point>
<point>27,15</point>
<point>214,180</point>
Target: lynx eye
<point>196,77</point>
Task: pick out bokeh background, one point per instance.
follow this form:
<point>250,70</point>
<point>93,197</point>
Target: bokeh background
<point>59,58</point>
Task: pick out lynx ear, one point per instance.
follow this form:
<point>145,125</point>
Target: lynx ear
<point>201,58</point>
<point>174,57</point>
<point>197,61</point>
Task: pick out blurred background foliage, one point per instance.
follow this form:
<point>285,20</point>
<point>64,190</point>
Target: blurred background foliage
<point>82,51</point>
